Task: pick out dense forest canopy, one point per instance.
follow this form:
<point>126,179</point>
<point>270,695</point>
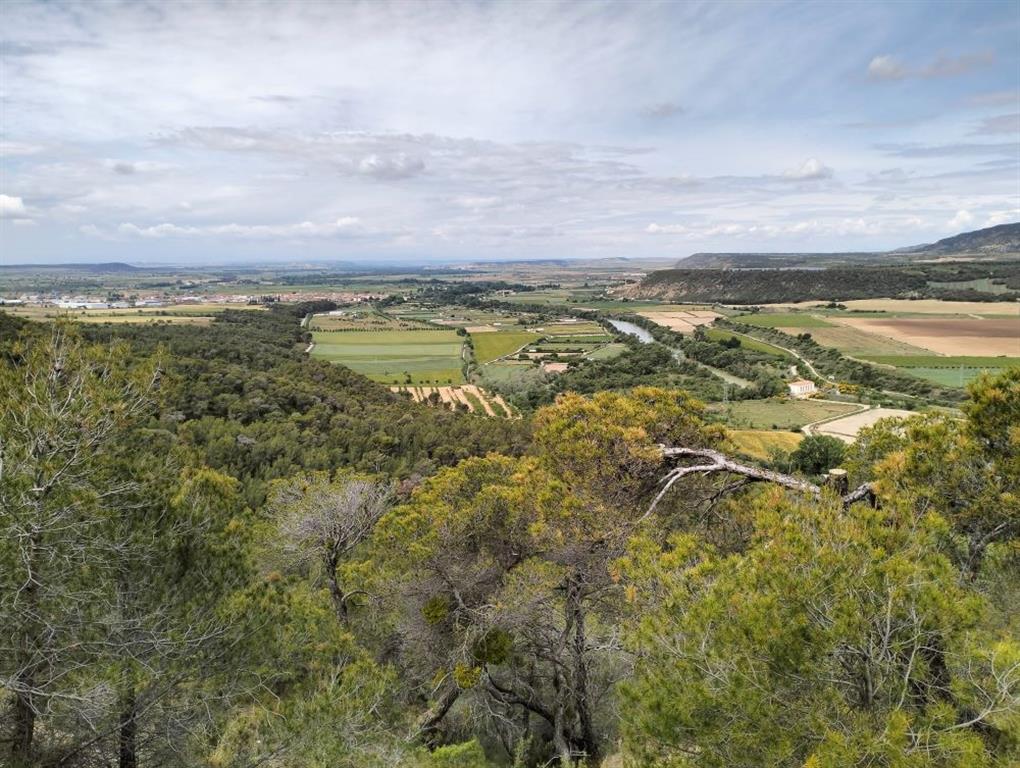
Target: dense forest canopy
<point>216,551</point>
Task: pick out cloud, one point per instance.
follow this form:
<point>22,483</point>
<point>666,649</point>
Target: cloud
<point>398,166</point>
<point>666,229</point>
<point>888,67</point>
<point>18,149</point>
<point>960,149</point>
<point>994,99</point>
<point>131,167</point>
<point>662,110</point>
<point>12,207</point>
<point>961,220</point>
<point>999,124</point>
<point>812,169</point>
<point>1003,217</point>
<point>347,225</point>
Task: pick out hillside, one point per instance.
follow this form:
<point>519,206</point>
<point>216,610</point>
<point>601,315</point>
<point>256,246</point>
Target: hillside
<point>1002,241</point>
<point>957,280</point>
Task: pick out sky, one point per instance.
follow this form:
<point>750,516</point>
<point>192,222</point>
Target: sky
<point>232,132</point>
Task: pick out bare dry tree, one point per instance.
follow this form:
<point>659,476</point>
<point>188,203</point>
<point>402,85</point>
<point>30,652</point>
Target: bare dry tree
<point>323,520</point>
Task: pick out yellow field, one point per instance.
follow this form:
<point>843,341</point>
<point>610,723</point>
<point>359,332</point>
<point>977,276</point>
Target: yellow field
<point>759,443</point>
<point>683,322</point>
<point>924,306</point>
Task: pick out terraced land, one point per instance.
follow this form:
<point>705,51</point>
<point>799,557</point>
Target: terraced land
<point>468,396</point>
<point>393,357</point>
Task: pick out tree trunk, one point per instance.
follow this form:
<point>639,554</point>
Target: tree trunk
<point>339,598</point>
<point>24,721</point>
<point>128,753</point>
<point>559,724</point>
<point>24,714</point>
<point>427,723</point>
<point>582,702</point>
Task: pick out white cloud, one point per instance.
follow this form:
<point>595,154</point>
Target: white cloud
<point>886,68</point>
<point>130,167</point>
<point>1007,124</point>
<point>347,225</point>
<point>666,229</point>
<point>398,166</point>
<point>961,220</point>
<point>1003,217</point>
<point>18,149</point>
<point>812,169</point>
<point>12,207</point>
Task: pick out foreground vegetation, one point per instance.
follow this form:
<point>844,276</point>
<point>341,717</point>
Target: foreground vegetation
<point>217,551</point>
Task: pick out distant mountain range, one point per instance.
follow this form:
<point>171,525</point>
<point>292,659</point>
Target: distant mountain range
<point>105,268</point>
<point>992,243</point>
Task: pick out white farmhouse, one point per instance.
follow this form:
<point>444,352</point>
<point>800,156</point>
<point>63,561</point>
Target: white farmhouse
<point>802,387</point>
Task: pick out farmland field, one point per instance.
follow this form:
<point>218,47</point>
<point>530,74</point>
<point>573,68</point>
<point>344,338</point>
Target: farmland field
<point>747,342</point>
<point>957,371</point>
<point>362,320</point>
<point>193,314</point>
<point>781,414</point>
<point>759,443</point>
<point>944,361</point>
<point>426,356</point>
<point>846,429</point>
<point>606,352</point>
<point>859,342</point>
<point>918,306</point>
<point>948,336</point>
<point>491,346</point>
<point>782,320</point>
<point>684,321</point>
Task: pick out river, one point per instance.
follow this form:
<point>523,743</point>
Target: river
<point>646,338</point>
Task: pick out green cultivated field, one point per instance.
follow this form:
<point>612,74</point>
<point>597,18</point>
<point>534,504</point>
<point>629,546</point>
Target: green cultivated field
<point>780,414</point>
<point>947,371</point>
<point>717,334</point>
<point>492,345</point>
<point>940,361</point>
<point>783,320</point>
<point>428,357</point>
